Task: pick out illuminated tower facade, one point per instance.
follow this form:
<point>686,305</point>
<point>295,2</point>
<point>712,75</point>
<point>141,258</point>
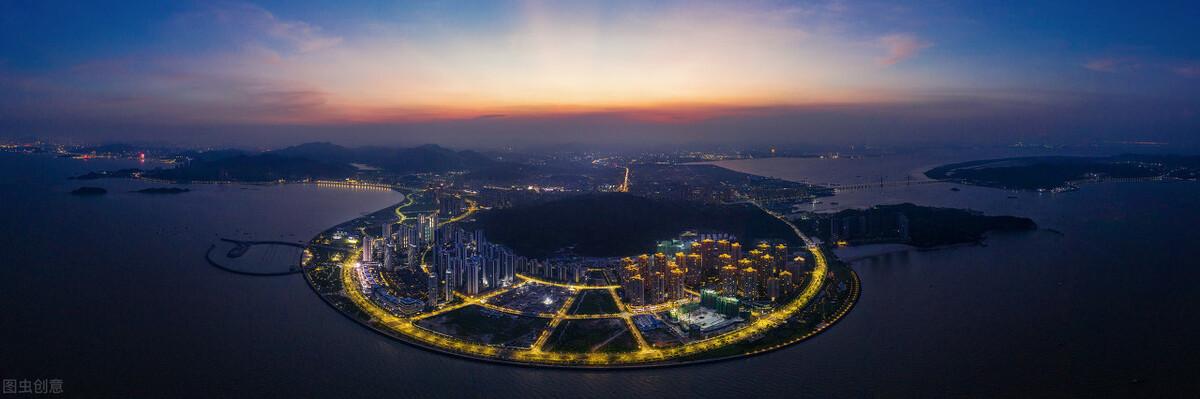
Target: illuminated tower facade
<point>432,284</point>
<point>729,280</point>
<point>675,284</point>
<point>367,249</point>
<point>749,283</point>
<point>634,291</point>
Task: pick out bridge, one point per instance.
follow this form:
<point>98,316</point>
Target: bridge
<point>355,185</point>
<point>883,184</point>
<point>242,247</point>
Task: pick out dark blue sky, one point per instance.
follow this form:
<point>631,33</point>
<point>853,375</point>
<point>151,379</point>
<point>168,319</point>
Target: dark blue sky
<point>277,72</point>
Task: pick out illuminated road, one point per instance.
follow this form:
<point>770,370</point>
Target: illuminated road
<point>409,202</point>
<point>472,207</point>
<point>467,301</point>
<point>637,334</point>
<point>624,187</point>
<point>564,285</point>
<point>626,313</point>
<point>558,318</point>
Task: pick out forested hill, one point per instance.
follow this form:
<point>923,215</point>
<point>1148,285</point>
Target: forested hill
<point>617,224</point>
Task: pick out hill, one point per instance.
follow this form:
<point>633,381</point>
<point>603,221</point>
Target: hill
<point>425,158</point>
<point>1052,172</point>
<point>926,226</point>
<point>253,168</point>
<point>618,224</point>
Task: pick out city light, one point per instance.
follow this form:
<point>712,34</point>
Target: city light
<point>409,329</point>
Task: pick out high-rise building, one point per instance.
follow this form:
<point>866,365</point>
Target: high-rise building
<point>427,227</point>
<point>507,268</point>
<point>694,270</point>
<point>659,262</point>
<point>448,291</point>
<point>725,259</point>
<point>729,280</point>
<point>773,288</point>
<point>766,264</point>
<point>431,282</point>
<point>387,257</point>
<point>634,291</point>
<point>749,283</point>
<point>786,283</point>
<point>628,269</point>
<point>367,249</point>
<point>675,284</point>
<point>656,288</point>
<point>781,251</point>
<point>474,278</point>
<point>796,267</point>
<point>708,257</point>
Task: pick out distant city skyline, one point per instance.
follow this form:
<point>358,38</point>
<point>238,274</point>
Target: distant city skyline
<point>631,73</point>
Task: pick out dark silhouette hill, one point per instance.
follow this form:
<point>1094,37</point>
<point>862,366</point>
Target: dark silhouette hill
<point>425,158</point>
<point>254,168</point>
<point>618,224</point>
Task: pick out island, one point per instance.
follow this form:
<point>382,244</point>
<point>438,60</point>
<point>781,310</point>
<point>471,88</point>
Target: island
<point>919,226</point>
<point>1059,173</point>
<point>115,174</point>
<point>558,259</point>
<point>89,191</point>
<point>162,190</point>
<point>603,280</point>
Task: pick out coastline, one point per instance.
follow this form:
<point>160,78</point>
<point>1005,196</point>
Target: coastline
<point>573,361</point>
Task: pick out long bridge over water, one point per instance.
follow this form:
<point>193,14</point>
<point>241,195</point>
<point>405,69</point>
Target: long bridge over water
<point>884,184</point>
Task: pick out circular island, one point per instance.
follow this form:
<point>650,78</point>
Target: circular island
<point>415,277</point>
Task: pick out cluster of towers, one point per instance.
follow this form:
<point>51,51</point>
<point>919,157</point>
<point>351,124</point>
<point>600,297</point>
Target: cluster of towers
<point>466,262</point>
<point>649,280</point>
<point>566,269</point>
<point>400,244</point>
<point>461,261</point>
<point>764,272</point>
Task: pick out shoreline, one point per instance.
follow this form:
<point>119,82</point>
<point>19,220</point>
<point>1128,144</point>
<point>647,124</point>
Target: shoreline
<point>379,326</point>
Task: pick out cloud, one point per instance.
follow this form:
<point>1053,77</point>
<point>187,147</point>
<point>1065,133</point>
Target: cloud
<point>253,24</point>
<point>1187,71</point>
<point>1110,65</point>
<point>901,46</point>
<point>304,36</point>
<point>1101,65</point>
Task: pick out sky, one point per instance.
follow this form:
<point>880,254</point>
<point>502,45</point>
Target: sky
<point>613,72</point>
